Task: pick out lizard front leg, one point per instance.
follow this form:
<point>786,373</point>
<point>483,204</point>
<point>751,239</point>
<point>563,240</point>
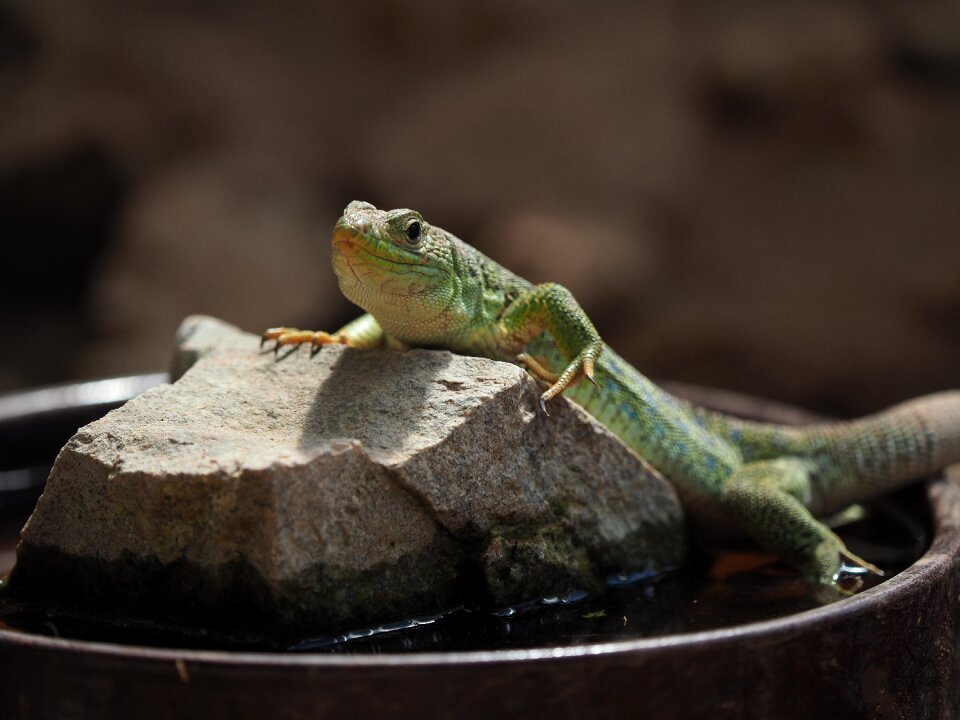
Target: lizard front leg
<point>364,333</point>
<point>551,307</point>
<point>767,499</point>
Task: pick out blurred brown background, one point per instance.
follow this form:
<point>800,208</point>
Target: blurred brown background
<point>762,196</point>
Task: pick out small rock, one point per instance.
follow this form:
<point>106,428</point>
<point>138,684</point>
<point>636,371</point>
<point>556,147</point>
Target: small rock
<point>307,494</point>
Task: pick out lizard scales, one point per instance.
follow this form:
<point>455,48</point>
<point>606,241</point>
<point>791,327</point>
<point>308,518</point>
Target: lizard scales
<point>422,286</point>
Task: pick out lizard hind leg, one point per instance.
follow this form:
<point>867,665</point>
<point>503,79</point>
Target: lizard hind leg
<point>768,500</point>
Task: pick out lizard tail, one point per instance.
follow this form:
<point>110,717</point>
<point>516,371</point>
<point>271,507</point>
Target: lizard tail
<point>908,441</point>
<point>864,458</point>
<point>861,458</point>
<point>878,453</point>
<point>940,415</point>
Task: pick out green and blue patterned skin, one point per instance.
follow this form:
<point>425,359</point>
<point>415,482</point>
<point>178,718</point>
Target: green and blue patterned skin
<point>422,286</point>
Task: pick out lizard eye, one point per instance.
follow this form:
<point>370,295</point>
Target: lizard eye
<point>413,232</point>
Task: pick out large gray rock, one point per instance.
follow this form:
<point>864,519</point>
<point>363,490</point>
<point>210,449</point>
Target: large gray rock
<point>351,487</point>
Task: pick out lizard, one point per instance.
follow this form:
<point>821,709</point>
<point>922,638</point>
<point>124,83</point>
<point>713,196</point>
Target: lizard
<point>422,286</point>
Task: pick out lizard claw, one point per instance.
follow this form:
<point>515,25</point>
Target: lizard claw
<point>543,404</point>
<point>272,334</point>
<point>851,564</point>
<point>291,336</point>
<point>582,365</point>
<point>587,370</point>
<point>836,572</point>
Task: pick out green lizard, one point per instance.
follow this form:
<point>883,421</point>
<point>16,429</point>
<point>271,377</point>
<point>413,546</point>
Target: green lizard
<point>422,286</point>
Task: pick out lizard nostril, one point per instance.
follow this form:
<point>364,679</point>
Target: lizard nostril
<point>356,218</point>
<point>358,205</point>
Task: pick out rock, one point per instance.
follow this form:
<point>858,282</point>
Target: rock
<point>307,494</point>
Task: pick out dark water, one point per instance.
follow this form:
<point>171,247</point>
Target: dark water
<point>724,589</point>
<point>732,587</point>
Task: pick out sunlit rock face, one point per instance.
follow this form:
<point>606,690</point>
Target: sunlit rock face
<point>309,493</point>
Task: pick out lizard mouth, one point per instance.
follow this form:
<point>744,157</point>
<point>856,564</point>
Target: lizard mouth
<point>364,260</point>
<point>351,241</point>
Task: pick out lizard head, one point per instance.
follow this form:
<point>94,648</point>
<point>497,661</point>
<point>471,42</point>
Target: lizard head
<point>395,265</point>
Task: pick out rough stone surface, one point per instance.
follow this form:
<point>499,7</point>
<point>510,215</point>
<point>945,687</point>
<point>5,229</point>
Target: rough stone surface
<point>349,487</point>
